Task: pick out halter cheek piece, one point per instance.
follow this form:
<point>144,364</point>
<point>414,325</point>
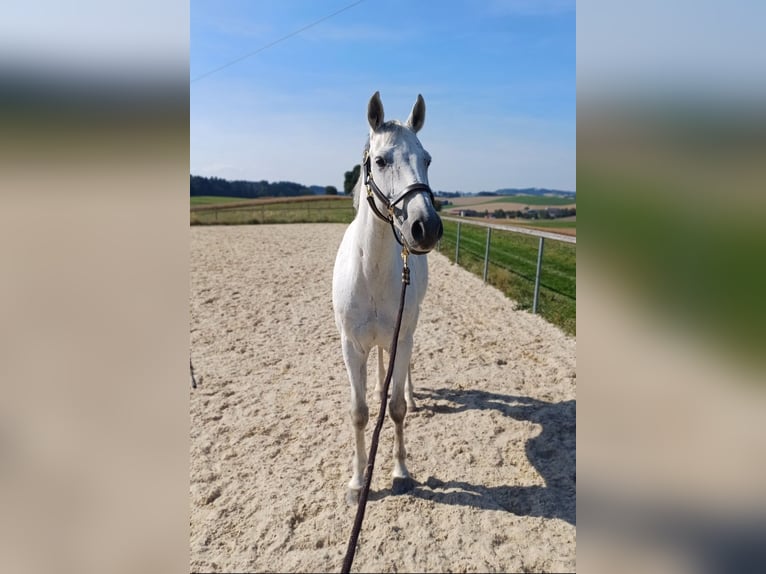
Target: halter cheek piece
<point>372,187</point>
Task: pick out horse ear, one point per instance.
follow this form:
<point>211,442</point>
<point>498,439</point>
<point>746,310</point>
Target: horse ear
<point>375,111</point>
<point>417,115</point>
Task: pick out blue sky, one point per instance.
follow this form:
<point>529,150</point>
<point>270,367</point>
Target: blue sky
<point>498,78</point>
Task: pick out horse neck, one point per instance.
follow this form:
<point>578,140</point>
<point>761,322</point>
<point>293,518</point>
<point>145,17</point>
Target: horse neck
<point>376,238</point>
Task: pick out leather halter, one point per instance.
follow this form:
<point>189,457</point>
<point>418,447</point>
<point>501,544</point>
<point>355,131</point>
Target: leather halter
<point>372,188</point>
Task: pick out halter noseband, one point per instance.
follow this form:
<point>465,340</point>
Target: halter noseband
<point>372,187</point>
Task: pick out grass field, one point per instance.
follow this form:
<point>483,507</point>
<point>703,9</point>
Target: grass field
<point>533,200</point>
<point>212,200</point>
<point>484,202</point>
<point>235,211</point>
<point>513,261</point>
<point>564,225</point>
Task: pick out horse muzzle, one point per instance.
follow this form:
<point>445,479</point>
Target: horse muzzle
<point>423,232</point>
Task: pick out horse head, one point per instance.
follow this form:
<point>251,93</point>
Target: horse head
<point>395,172</point>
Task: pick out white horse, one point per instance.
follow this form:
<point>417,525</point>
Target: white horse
<point>367,277</point>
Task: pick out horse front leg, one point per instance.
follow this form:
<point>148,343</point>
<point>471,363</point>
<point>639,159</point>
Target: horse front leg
<point>408,388</point>
<point>381,371</point>
<point>355,359</point>
<point>397,410</point>
<point>408,391</point>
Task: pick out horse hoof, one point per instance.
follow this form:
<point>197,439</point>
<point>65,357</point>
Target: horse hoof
<point>352,497</point>
<point>402,485</point>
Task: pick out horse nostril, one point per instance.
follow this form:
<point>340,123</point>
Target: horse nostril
<point>440,232</point>
<point>418,231</point>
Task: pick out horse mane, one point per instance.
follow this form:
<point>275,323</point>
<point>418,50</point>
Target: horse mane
<point>360,179</point>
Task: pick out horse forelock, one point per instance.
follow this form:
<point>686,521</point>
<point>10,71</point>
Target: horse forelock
<point>391,129</point>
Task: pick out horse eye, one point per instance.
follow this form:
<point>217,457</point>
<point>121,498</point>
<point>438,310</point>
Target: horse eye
<point>380,162</point>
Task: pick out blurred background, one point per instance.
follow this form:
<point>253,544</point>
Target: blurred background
<point>94,156</point>
<point>94,338</point>
<point>671,143</point>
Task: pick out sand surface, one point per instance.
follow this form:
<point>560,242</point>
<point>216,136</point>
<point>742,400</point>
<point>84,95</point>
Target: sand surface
<point>492,448</point>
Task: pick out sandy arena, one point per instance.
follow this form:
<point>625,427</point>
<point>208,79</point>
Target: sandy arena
<point>492,448</point>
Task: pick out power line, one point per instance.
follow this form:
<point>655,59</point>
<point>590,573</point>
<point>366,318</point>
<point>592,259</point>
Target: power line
<point>269,45</point>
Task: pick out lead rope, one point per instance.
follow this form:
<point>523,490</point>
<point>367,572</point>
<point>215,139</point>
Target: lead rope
<point>363,495</point>
<point>191,370</point>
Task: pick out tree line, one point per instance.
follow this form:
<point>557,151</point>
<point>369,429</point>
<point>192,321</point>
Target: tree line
<point>219,187</point>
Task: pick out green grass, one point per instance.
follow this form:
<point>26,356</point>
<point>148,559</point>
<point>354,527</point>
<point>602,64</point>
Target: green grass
<point>295,211</point>
<point>513,261</point>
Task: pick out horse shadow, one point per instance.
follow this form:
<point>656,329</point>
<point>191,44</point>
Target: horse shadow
<point>552,453</point>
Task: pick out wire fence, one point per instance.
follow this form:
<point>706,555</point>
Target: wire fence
<point>536,268</point>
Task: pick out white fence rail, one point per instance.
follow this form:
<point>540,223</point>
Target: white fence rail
<point>515,229</point>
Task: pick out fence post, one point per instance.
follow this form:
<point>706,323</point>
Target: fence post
<point>457,242</point>
<point>486,254</point>
<point>537,274</point>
